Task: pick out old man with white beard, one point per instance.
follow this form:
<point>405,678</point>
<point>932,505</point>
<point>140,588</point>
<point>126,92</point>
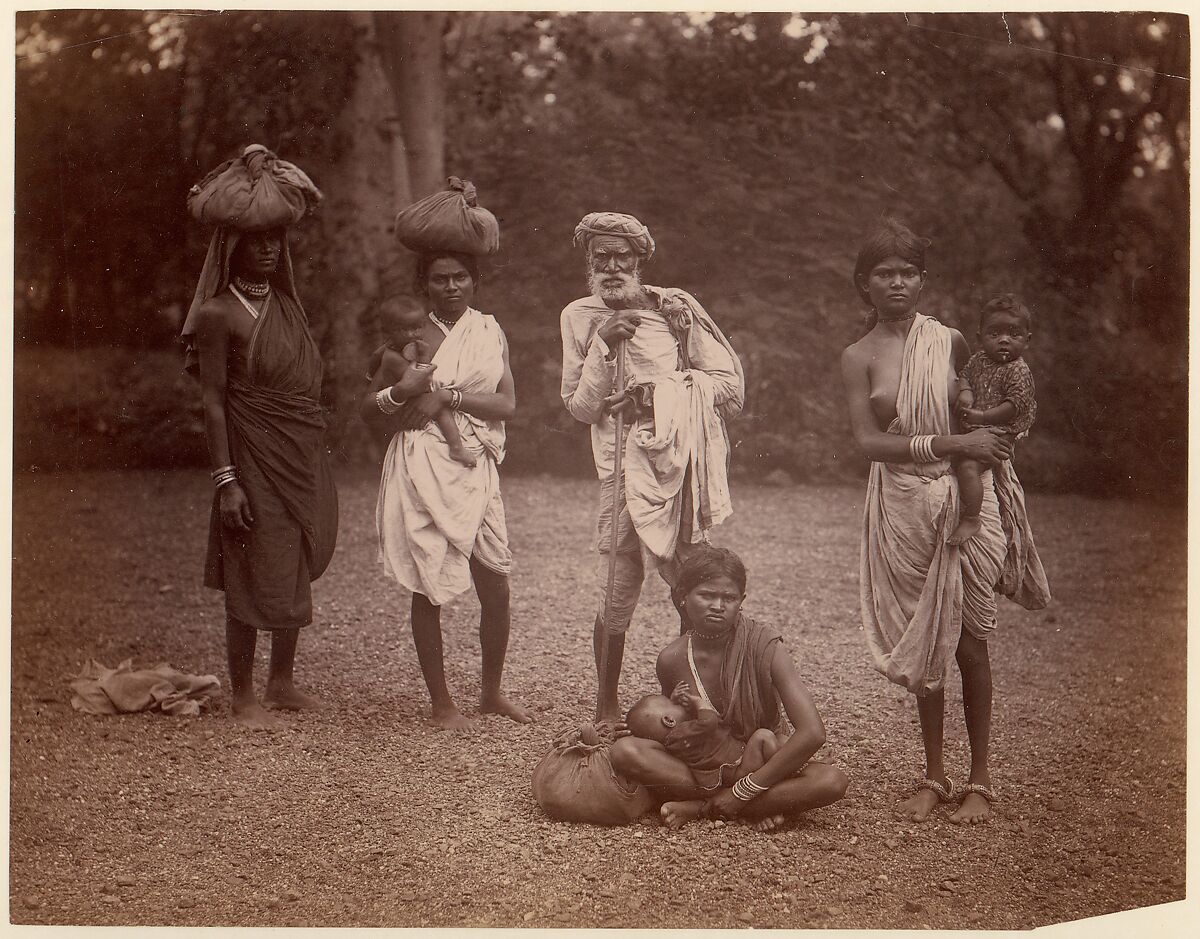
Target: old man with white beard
<point>682,381</point>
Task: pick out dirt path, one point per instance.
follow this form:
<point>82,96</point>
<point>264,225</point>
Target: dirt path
<point>363,815</point>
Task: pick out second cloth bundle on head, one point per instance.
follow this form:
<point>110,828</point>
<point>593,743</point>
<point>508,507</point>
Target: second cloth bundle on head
<point>449,220</point>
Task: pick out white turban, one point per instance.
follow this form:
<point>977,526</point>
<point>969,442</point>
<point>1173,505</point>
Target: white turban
<point>617,225</point>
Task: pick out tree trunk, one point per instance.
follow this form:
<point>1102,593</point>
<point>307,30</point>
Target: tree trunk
<point>410,46</point>
<point>359,253</point>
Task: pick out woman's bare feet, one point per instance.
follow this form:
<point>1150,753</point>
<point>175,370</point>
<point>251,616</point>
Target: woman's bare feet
<point>498,704</point>
<point>253,716</point>
<point>452,719</point>
<point>287,697</point>
<point>678,814</point>
<point>918,806</point>
<point>975,807</point>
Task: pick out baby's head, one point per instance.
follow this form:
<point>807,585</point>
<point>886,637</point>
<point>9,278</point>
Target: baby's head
<point>655,716</point>
<point>402,322</point>
<point>1005,328</point>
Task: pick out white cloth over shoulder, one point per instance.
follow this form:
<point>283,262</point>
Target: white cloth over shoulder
<point>918,593</point>
<point>662,345</point>
<point>676,463</point>
<point>433,512</point>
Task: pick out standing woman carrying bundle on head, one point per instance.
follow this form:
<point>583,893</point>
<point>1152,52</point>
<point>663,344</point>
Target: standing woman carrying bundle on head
<point>440,516</point>
<point>274,515</point>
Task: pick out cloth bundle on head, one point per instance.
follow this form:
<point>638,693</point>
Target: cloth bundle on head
<point>450,220</point>
<point>616,224</point>
<point>256,191</point>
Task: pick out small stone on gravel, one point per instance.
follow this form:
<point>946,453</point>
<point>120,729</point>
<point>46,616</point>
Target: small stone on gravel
<point>912,906</point>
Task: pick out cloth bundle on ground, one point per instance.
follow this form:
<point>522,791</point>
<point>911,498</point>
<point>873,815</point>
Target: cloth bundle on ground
<point>125,689</point>
<point>253,192</point>
<point>575,781</point>
<point>450,220</point>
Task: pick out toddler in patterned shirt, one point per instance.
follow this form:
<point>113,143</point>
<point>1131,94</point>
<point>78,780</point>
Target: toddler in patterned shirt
<point>996,391</point>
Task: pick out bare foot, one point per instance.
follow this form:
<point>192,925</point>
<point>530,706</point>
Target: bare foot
<point>916,808</point>
<point>452,719</point>
<point>460,455</point>
<point>973,810</point>
<point>678,814</point>
<point>505,708</point>
<point>768,823</point>
<point>609,715</point>
<point>290,698</point>
<point>253,716</point>
<point>966,529</point>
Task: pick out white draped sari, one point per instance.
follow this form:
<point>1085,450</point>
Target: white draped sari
<point>433,512</point>
<point>918,592</point>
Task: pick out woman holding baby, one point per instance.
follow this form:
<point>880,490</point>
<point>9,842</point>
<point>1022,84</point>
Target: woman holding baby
<point>741,671</point>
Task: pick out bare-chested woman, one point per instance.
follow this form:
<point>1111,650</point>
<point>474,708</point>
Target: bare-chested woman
<point>923,599</point>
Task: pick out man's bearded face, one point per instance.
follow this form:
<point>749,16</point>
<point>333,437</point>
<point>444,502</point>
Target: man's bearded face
<point>613,269</point>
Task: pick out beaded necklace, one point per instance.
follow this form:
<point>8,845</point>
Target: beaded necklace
<point>256,291</point>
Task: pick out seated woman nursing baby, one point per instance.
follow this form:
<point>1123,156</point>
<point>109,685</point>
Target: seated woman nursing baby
<point>723,682</point>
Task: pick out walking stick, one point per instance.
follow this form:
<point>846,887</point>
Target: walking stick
<point>618,487</point>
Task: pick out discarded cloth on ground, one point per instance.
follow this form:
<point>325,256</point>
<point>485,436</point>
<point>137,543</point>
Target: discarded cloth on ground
<point>125,689</point>
<point>575,781</point>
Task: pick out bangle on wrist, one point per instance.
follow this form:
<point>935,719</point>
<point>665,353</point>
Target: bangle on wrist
<point>385,402</point>
<point>746,788</point>
<point>224,476</point>
<point>920,448</point>
<point>456,398</point>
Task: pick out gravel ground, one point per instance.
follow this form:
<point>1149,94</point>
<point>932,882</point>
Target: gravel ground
<point>364,815</point>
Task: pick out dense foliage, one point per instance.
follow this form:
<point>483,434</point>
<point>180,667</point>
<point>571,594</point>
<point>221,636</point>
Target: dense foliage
<point>1044,154</point>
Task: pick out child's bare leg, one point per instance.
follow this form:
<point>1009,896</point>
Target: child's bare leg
<point>970,498</point>
<point>449,429</point>
<point>762,745</point>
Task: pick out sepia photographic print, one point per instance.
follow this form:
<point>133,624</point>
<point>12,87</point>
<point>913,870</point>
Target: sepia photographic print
<point>599,469</point>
